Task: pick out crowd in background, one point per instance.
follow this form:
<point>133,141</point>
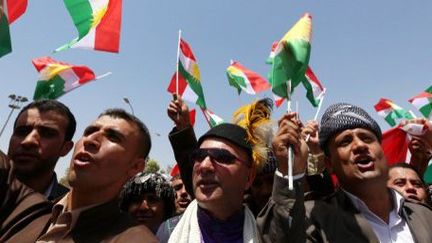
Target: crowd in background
<point>230,185</point>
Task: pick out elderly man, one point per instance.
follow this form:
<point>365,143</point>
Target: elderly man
<point>222,171</point>
<point>111,150</point>
<point>363,209</point>
<point>222,166</point>
<point>405,179</point>
<point>42,133</point>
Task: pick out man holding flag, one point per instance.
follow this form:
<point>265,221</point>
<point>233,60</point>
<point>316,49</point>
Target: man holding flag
<point>363,209</point>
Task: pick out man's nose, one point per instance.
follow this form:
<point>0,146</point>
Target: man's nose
<point>359,145</point>
<point>31,139</point>
<point>206,166</point>
<point>92,141</point>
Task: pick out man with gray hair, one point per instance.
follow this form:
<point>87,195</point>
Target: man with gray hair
<point>363,209</point>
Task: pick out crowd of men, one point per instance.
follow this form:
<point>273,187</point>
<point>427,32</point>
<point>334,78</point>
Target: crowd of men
<point>219,191</point>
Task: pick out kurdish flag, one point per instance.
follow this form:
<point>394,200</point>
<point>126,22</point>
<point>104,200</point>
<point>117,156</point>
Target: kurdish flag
<point>58,78</point>
<point>5,41</point>
<point>291,57</point>
<point>15,8</point>
<point>212,119</point>
<point>189,71</point>
<point>98,23</point>
<point>245,79</point>
<point>314,89</point>
<point>390,111</point>
<point>423,102</point>
<point>272,53</point>
<point>184,89</point>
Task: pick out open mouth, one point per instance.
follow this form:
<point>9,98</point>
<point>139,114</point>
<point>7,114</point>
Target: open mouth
<point>207,184</point>
<point>82,159</point>
<point>364,162</point>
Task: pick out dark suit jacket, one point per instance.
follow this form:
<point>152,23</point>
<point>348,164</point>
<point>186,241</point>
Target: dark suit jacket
<point>58,190</point>
<point>288,218</point>
<point>25,215</point>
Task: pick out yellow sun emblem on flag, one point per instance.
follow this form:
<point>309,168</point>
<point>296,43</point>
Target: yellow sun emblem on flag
<point>98,16</point>
<point>51,70</point>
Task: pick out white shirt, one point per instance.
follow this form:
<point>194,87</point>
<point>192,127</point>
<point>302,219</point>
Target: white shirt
<point>396,230</point>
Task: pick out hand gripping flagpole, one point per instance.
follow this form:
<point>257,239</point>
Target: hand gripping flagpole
<point>318,110</point>
<point>290,148</point>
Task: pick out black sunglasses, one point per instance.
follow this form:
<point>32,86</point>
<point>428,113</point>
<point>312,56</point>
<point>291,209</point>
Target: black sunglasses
<point>218,155</point>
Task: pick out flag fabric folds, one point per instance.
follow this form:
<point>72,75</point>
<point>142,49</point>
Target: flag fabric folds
<point>5,40</point>
<point>390,111</point>
<point>15,8</point>
<point>314,89</point>
<point>98,23</point>
<point>244,79</point>
<point>395,145</point>
<point>291,57</point>
<point>184,90</point>
<point>58,78</point>
<point>212,118</point>
<point>423,102</point>
<point>192,115</point>
<point>189,72</point>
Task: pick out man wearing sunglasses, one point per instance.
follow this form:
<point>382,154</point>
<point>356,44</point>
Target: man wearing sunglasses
<point>222,170</point>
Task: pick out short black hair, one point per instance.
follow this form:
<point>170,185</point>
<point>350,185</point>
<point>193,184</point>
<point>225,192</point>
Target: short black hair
<point>45,105</point>
<point>144,132</point>
<point>407,166</point>
<point>146,182</point>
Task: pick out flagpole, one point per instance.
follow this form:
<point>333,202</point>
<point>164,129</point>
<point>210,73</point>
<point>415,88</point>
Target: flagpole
<point>290,149</point>
<point>177,62</point>
<point>103,75</point>
<point>208,122</point>
<point>317,112</point>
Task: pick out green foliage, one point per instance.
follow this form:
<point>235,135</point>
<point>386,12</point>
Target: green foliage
<point>152,166</point>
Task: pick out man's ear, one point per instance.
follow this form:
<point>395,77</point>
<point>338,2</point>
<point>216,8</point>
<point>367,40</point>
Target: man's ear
<point>67,146</point>
<point>136,166</point>
<point>328,164</point>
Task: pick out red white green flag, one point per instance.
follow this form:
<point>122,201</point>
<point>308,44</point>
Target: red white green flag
<point>184,89</point>
<point>189,71</point>
<point>98,23</point>
<point>5,40</point>
<point>314,89</point>
<point>278,100</point>
<point>212,119</point>
<point>291,57</point>
<point>423,102</point>
<point>390,111</point>
<point>57,78</point>
<point>244,79</point>
<point>15,8</point>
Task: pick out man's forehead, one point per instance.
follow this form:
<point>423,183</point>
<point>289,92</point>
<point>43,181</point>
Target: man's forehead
<point>400,172</point>
<point>37,118</point>
<point>115,123</point>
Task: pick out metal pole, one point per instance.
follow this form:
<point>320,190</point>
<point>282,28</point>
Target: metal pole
<point>13,104</point>
<point>126,100</point>
<point>7,120</point>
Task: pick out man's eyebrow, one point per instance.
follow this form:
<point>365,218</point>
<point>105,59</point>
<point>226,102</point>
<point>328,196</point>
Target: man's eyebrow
<point>116,132</point>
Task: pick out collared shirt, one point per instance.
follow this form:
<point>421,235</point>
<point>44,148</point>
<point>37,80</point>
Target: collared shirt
<point>63,221</point>
<point>397,230</point>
